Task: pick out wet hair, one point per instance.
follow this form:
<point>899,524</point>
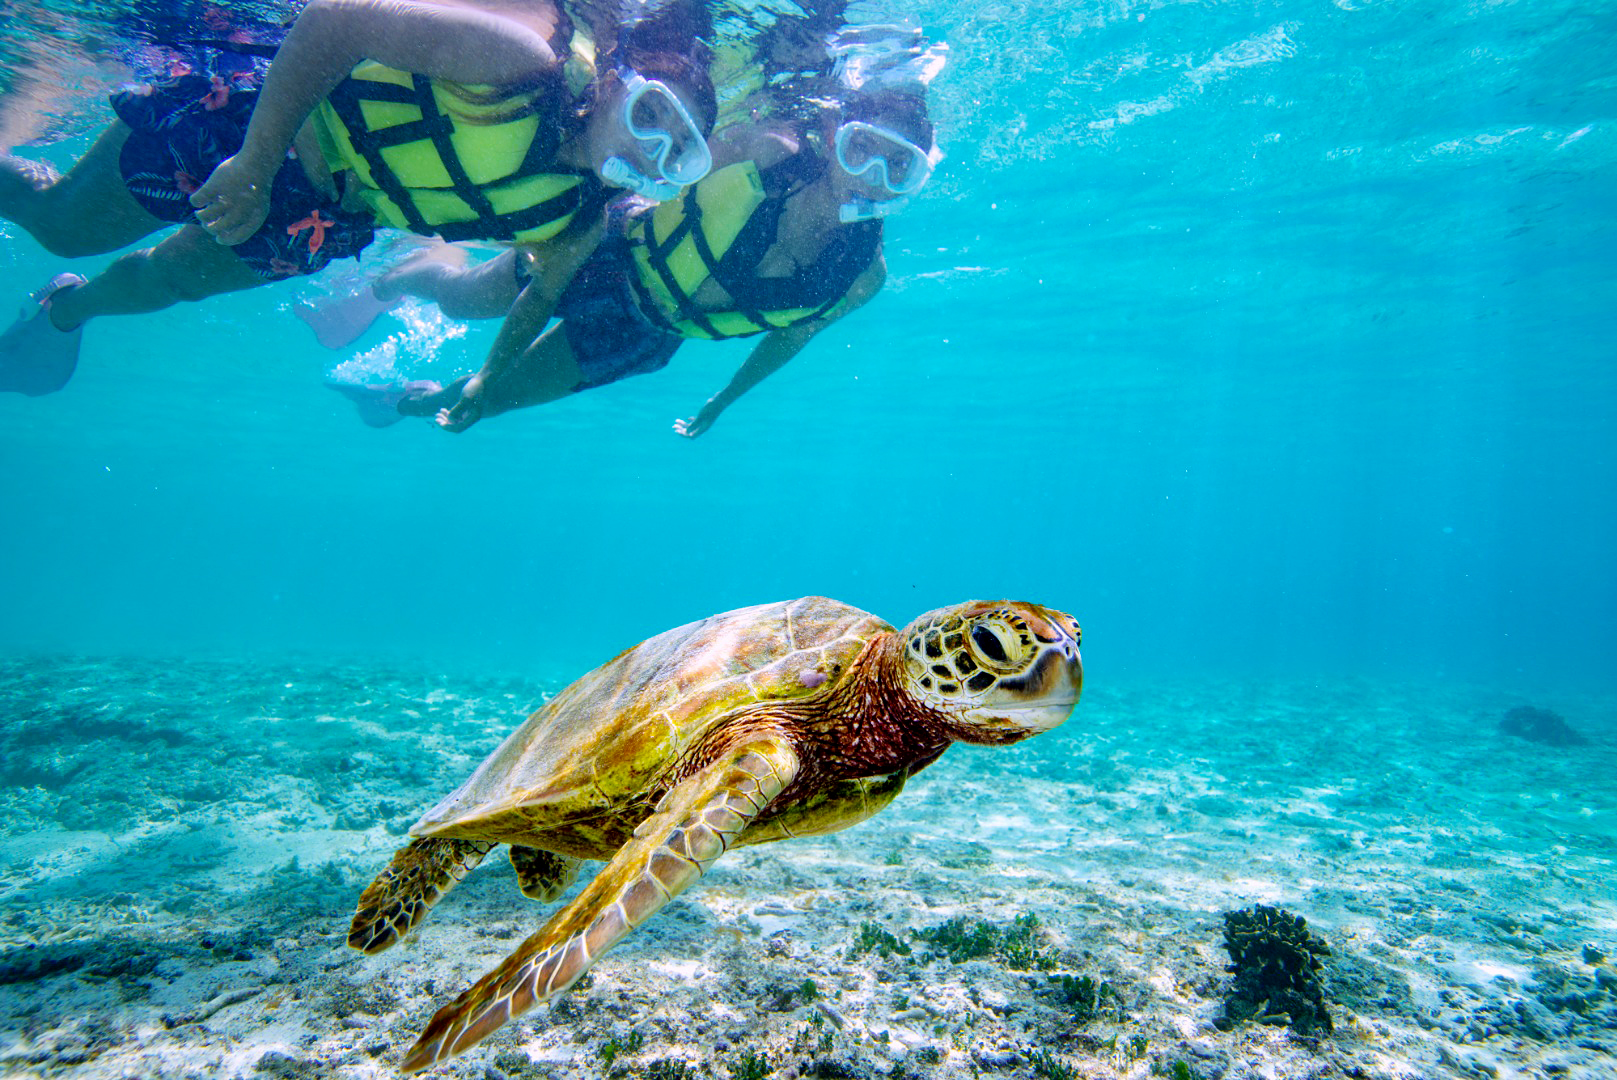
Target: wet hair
<point>541,94</point>
<point>894,109</point>
<point>669,45</point>
<point>795,44</point>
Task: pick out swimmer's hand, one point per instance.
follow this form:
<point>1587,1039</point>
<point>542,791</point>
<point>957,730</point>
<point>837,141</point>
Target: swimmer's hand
<point>692,426</point>
<point>234,202</point>
<point>465,412</point>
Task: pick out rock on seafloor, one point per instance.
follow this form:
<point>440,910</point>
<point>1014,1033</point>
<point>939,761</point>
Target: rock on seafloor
<point>182,844</point>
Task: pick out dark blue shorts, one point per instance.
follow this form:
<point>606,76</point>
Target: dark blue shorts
<point>182,128</point>
<point>609,338</point>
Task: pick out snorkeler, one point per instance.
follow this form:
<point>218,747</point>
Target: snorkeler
<point>366,119</point>
<point>782,240</point>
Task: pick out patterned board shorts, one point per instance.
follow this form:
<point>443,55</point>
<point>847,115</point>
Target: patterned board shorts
<point>182,128</point>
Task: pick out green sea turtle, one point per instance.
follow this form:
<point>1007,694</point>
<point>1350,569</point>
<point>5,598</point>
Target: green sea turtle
<point>760,724</point>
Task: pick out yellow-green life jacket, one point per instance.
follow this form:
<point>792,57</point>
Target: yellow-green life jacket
<point>720,229</point>
<point>426,163</point>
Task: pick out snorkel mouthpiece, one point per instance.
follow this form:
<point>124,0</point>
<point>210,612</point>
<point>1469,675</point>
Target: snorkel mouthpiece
<point>619,173</point>
<point>860,208</point>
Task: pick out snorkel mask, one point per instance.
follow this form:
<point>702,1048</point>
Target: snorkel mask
<point>895,163</point>
<point>668,136</point>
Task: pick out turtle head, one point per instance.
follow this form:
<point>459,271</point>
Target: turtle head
<point>999,672</point>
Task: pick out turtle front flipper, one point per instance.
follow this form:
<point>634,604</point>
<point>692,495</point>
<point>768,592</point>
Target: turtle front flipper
<point>416,879</point>
<point>543,875</point>
<point>692,825</point>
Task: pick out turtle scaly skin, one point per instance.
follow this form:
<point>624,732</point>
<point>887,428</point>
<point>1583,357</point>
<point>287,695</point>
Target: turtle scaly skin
<point>416,879</point>
<point>543,875</point>
<point>760,724</point>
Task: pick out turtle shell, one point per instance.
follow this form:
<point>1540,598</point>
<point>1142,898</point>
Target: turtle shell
<point>578,774</point>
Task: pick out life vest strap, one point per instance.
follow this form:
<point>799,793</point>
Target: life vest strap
<point>566,202</point>
<point>822,286</point>
<point>657,253</point>
<point>438,129</point>
<point>345,100</point>
<point>715,264</point>
<point>755,304</point>
<point>736,271</point>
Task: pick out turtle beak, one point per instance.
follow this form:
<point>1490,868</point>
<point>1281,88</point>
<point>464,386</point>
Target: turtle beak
<point>1040,699</point>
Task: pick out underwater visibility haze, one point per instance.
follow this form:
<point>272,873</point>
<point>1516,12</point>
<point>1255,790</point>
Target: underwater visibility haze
<point>1275,341</point>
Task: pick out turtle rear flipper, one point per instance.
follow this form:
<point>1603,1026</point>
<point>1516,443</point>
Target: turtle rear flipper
<point>543,875</point>
<point>693,825</point>
<point>416,879</point>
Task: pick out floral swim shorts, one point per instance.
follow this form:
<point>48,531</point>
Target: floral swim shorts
<point>182,128</point>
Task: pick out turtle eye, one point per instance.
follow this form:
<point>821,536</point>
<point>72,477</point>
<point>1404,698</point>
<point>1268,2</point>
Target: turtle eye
<point>988,644</point>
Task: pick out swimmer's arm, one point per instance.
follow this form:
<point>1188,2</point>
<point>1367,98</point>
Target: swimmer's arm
<point>331,37</point>
<point>771,354</point>
<point>551,267</point>
<point>751,142</point>
<point>776,349</point>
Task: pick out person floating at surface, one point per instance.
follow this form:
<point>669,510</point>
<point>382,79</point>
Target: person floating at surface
<point>442,118</point>
<point>781,241</point>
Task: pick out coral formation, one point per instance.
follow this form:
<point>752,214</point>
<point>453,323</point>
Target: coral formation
<point>615,1048</point>
<point>1050,1067</point>
<point>1278,973</point>
<point>670,1069</point>
<point>750,1066</point>
<point>1540,725</point>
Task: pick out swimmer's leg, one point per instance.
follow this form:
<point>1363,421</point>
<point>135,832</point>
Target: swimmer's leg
<point>418,272</point>
<point>436,272</point>
<point>187,266</point>
<point>439,273</point>
<point>85,212</point>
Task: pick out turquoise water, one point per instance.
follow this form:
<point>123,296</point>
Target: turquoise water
<point>1269,339</point>
<point>1275,341</point>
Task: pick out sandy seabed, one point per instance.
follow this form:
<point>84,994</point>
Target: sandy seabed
<point>181,845</point>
